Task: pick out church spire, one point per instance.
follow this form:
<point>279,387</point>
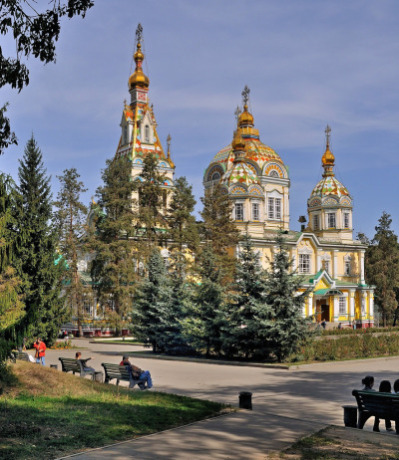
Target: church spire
<point>328,159</point>
<point>138,78</point>
<point>245,119</point>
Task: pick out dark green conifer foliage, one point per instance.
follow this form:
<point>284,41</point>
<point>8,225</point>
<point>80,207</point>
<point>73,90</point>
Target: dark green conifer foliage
<point>70,221</point>
<point>203,327</point>
<point>11,305</point>
<point>45,308</point>
<point>113,269</point>
<point>249,309</point>
<point>152,305</point>
<point>286,329</point>
<point>382,267</point>
<point>219,230</point>
<point>182,228</point>
<point>151,223</point>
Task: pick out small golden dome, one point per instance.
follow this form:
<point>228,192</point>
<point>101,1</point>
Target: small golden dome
<point>138,78</point>
<point>238,141</point>
<point>328,158</point>
<point>245,119</point>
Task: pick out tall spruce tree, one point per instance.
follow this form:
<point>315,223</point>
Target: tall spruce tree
<point>70,220</point>
<point>152,319</point>
<point>113,269</point>
<point>45,307</point>
<point>249,309</point>
<point>219,231</point>
<point>11,305</point>
<point>150,222</point>
<point>182,228</point>
<point>206,320</point>
<point>286,329</point>
<point>382,267</point>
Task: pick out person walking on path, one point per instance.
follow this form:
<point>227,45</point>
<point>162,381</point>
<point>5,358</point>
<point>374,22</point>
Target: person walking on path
<point>135,372</point>
<point>40,351</point>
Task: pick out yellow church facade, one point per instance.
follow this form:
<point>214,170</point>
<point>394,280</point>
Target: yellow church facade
<point>324,252</point>
<point>258,184</point>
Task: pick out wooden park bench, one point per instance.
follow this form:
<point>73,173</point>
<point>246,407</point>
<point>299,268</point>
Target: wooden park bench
<point>374,403</point>
<point>75,365</point>
<point>115,371</point>
<point>21,355</point>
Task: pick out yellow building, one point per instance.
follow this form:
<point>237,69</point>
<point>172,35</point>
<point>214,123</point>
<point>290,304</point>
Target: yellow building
<point>324,252</point>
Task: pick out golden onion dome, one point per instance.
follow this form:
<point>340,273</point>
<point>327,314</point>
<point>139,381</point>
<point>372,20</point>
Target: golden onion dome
<point>138,78</point>
<point>246,118</point>
<point>328,158</point>
<point>238,142</point>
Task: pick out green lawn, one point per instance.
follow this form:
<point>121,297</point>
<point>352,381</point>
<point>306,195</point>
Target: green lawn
<point>50,414</point>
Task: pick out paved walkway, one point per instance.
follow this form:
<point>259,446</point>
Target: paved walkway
<point>288,404</point>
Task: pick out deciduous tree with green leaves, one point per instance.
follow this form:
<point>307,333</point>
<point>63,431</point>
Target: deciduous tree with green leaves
<point>35,33</point>
<point>70,221</point>
<point>382,267</point>
<point>11,305</point>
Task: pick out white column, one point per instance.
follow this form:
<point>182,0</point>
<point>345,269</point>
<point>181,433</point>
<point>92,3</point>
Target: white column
<point>371,305</point>
<point>352,304</point>
<point>362,267</point>
<point>294,261</point>
<point>335,263</point>
<point>310,305</point>
<point>318,268</point>
<point>336,308</point>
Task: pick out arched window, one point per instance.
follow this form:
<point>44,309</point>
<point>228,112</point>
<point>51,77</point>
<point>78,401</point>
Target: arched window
<point>147,133</point>
<point>215,176</point>
<point>164,198</point>
<point>274,173</point>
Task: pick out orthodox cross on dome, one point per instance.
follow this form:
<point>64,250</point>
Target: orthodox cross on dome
<point>245,95</point>
<point>327,131</point>
<point>139,33</point>
<point>237,113</point>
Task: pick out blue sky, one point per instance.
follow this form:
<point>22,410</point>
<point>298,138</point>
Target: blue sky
<point>307,63</point>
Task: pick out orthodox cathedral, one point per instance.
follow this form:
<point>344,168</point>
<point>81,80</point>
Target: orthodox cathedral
<point>257,181</point>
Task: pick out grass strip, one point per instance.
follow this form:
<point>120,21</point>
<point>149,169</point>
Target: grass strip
<point>49,414</point>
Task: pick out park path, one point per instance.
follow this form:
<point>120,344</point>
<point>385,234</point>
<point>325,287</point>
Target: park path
<point>287,404</point>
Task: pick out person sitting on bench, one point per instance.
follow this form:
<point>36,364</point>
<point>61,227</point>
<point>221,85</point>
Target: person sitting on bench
<point>135,372</point>
<point>86,368</point>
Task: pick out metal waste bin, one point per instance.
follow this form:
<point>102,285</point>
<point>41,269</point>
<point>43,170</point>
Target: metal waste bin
<point>350,416</point>
<point>245,400</point>
<point>54,366</point>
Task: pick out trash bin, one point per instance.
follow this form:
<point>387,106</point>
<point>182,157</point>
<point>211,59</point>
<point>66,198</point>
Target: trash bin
<point>98,376</point>
<point>54,366</point>
<point>350,416</point>
<point>245,400</point>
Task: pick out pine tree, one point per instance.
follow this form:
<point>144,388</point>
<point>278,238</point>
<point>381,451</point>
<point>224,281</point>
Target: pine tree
<point>182,228</point>
<point>113,269</point>
<point>151,222</point>
<point>11,305</point>
<point>70,220</point>
<point>45,307</point>
<point>219,230</point>
<point>152,305</point>
<point>205,322</point>
<point>249,306</point>
<point>286,328</point>
<point>382,267</point>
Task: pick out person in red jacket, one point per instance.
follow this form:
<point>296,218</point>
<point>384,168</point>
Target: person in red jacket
<point>40,351</point>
